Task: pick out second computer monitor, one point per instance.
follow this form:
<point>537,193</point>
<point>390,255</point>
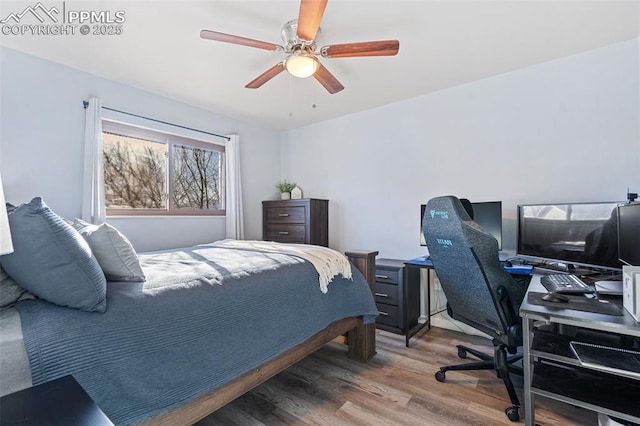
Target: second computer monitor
<point>629,234</point>
<point>489,216</point>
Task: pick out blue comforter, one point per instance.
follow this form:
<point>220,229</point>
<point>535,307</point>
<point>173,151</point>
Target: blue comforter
<point>205,316</point>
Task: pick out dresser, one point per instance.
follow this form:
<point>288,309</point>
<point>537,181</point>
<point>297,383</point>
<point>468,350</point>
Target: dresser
<point>303,221</point>
<point>398,304</point>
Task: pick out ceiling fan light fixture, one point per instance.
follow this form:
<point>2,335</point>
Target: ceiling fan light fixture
<point>302,64</point>
<point>300,38</point>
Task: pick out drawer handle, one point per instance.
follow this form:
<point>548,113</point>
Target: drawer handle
<point>384,277</point>
<point>383,313</point>
<point>284,215</point>
<point>283,233</point>
<point>382,294</point>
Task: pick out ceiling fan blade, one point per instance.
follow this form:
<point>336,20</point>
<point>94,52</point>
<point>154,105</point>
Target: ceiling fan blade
<point>328,80</point>
<point>228,38</point>
<point>266,76</point>
<point>365,48</point>
<point>309,18</point>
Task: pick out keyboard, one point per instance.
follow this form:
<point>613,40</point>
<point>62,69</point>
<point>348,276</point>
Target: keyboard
<point>565,283</point>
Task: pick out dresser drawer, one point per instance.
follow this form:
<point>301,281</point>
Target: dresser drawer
<point>387,293</point>
<point>293,214</point>
<point>286,233</point>
<point>302,221</point>
<point>386,276</point>
<point>388,315</point>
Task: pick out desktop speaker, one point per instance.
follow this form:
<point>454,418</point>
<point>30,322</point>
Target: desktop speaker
<point>631,290</point>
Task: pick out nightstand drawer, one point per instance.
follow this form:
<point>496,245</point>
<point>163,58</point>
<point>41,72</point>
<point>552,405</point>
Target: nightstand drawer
<point>388,315</point>
<point>286,233</point>
<point>386,276</point>
<point>387,293</point>
<point>286,214</point>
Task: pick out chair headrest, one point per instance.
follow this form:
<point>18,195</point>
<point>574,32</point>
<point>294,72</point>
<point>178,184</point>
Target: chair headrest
<point>446,207</point>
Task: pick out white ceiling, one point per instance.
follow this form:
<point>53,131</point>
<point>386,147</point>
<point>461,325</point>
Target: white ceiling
<point>442,44</point>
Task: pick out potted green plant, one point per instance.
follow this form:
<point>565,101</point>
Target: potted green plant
<point>285,189</point>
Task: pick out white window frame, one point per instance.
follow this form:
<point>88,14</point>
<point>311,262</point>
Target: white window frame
<point>169,139</point>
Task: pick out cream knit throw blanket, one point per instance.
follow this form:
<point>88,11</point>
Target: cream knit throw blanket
<point>327,262</point>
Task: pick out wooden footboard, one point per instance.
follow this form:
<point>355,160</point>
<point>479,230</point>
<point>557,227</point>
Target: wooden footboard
<point>360,339</point>
<point>208,403</point>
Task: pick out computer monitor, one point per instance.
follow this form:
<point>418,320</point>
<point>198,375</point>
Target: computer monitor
<point>486,214</point>
<point>489,216</point>
<point>571,234</point>
<point>629,234</point>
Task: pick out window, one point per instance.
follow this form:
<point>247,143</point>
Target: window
<point>149,172</point>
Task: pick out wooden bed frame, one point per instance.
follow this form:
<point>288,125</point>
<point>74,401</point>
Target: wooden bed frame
<point>360,340</point>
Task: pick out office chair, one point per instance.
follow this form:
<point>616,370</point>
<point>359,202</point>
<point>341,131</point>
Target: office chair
<point>480,293</point>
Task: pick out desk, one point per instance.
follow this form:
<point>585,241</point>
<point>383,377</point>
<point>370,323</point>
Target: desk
<point>552,370</point>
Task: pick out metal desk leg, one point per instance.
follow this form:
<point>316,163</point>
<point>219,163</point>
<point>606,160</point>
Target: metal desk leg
<point>428,290</point>
<point>529,415</point>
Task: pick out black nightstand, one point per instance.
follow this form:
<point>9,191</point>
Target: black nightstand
<point>58,402</point>
<point>398,298</point>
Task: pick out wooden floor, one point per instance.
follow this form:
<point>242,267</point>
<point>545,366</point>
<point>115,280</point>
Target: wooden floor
<point>396,387</point>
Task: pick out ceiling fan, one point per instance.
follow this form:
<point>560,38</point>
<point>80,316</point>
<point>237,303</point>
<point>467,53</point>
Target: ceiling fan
<point>302,59</point>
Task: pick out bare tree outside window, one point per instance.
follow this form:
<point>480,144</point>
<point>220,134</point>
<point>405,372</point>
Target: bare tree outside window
<point>196,182</point>
<point>134,173</point>
<point>148,172</point>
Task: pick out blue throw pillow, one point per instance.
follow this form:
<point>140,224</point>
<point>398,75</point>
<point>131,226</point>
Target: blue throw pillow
<point>114,253</point>
<point>10,292</point>
<point>52,260</point>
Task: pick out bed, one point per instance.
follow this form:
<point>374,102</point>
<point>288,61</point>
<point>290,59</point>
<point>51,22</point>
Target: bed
<point>209,323</point>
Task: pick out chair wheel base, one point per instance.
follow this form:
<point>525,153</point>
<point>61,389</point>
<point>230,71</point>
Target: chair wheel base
<point>462,353</point>
<point>440,376</point>
<point>512,413</point>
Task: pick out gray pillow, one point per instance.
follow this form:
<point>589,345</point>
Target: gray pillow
<point>52,260</point>
<point>114,252</point>
<point>10,292</point>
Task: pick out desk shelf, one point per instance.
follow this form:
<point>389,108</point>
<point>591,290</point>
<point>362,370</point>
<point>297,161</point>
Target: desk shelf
<point>556,347</point>
<point>555,372</point>
<point>553,346</point>
<point>552,370</point>
<point>615,396</point>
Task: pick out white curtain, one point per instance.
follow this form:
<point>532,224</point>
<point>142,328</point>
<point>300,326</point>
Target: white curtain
<point>93,209</point>
<point>235,227</point>
<point>6,245</point>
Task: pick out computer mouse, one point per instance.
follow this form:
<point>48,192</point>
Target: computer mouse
<point>508,263</point>
<point>555,298</point>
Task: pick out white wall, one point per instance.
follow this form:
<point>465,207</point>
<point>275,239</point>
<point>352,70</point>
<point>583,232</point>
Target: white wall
<point>508,138</point>
<point>41,147</point>
<point>566,130</point>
